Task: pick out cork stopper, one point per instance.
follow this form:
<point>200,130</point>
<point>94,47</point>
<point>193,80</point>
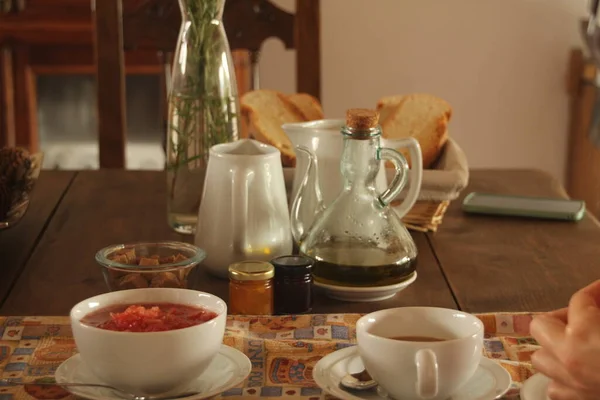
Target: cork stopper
<point>362,118</point>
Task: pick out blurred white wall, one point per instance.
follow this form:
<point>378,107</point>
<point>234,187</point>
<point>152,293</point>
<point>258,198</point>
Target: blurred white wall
<point>501,64</point>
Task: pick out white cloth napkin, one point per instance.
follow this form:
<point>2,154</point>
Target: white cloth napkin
<point>447,179</point>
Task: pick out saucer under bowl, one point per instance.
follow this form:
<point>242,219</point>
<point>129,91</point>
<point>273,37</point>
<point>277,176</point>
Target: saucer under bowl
<point>228,369</point>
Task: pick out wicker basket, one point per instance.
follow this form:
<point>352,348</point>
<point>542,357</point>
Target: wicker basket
<point>426,215</point>
<point>20,199</point>
<point>439,187</point>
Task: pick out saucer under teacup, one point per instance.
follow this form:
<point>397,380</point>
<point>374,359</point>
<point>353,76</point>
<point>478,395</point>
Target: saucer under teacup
<point>365,294</point>
<point>490,381</point>
<point>229,368</point>
<point>535,388</point>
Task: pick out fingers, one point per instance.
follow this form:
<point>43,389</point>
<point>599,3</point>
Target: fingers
<point>588,296</point>
<point>570,340</point>
<point>561,314</point>
<point>582,307</point>
<point>593,290</point>
<point>547,363</point>
<point>549,332</point>
<point>558,391</point>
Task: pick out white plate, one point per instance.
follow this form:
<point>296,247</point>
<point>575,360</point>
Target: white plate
<point>229,368</point>
<point>535,388</point>
<point>364,294</point>
<point>490,381</point>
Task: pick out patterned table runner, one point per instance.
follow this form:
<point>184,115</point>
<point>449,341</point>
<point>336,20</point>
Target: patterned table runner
<point>283,351</point>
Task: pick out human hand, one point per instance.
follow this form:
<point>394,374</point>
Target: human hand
<point>570,353</point>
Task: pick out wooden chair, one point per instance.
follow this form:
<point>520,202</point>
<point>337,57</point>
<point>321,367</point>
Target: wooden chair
<point>156,23</point>
<point>583,158</point>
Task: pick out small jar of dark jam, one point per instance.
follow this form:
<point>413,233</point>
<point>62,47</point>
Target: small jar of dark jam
<point>293,291</point>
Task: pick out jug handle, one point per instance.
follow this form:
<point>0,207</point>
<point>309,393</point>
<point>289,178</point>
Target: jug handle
<point>239,189</point>
<point>402,173</point>
<point>300,227</point>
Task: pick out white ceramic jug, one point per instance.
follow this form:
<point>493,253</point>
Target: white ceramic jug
<point>324,139</point>
<point>243,214</point>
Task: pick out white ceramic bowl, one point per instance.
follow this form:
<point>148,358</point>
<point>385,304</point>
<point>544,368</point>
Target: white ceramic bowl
<point>149,362</point>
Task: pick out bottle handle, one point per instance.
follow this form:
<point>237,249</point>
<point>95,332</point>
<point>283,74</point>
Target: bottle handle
<point>403,172</point>
<point>427,374</point>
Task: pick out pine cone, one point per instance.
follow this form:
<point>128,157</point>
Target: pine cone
<point>14,166</point>
<point>5,198</point>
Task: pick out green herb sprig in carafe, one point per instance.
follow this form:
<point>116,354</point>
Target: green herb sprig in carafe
<point>203,107</point>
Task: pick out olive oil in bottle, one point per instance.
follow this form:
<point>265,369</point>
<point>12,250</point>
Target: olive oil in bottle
<point>359,240</point>
<point>360,266</point>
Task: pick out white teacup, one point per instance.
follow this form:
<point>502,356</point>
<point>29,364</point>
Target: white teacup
<point>415,369</point>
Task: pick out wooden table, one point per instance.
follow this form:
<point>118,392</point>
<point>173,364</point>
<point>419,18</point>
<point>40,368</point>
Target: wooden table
<point>475,263</point>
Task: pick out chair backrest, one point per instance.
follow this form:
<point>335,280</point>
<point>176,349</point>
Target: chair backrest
<point>155,24</point>
<point>110,82</point>
<point>250,22</point>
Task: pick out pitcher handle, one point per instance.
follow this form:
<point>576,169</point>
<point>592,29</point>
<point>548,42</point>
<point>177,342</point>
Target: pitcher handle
<point>299,220</point>
<point>239,188</point>
<point>402,173</point>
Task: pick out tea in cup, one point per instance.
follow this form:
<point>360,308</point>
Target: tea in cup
<point>419,353</point>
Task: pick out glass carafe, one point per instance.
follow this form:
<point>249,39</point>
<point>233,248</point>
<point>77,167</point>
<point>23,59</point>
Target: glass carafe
<point>359,240</point>
<point>203,107</point>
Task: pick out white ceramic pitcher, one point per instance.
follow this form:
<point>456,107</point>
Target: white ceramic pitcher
<point>324,139</point>
<point>244,213</point>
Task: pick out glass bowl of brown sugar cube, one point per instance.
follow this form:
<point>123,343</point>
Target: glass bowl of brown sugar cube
<point>149,265</point>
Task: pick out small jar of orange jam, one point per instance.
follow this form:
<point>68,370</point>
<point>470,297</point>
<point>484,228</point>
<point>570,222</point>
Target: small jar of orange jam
<point>251,288</point>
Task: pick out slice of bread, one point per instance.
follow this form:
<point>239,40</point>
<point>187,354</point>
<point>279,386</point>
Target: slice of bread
<point>308,105</point>
<point>422,116</point>
<point>386,105</point>
<point>266,111</point>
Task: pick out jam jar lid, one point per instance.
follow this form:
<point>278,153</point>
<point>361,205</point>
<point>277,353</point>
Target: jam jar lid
<point>293,264</point>
<point>251,271</point>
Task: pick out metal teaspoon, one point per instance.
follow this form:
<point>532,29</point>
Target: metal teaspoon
<point>358,381</point>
